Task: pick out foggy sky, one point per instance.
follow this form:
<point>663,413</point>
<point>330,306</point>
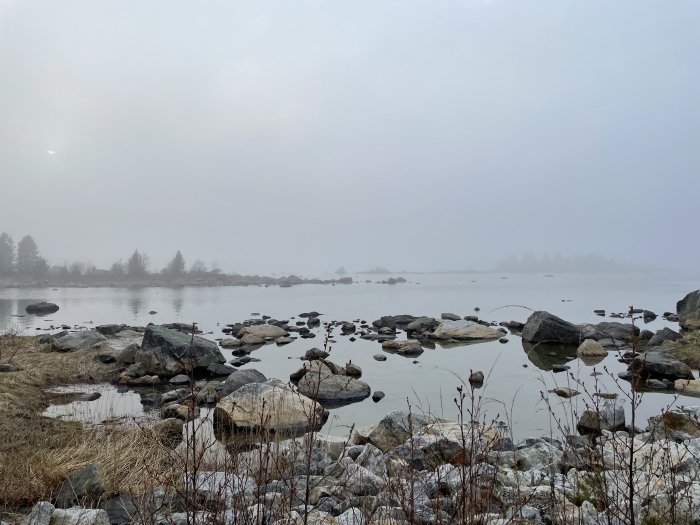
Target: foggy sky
<point>298,136</point>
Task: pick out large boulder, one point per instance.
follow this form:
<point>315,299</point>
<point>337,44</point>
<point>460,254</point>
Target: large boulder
<point>657,364</point>
<point>609,330</point>
<point>543,327</point>
<point>41,308</point>
<point>464,331</point>
<point>82,486</point>
<point>395,428</point>
<point>263,331</point>
<point>663,335</point>
<point>77,340</point>
<point>271,407</point>
<point>168,352</point>
<point>333,390</point>
<point>688,310</point>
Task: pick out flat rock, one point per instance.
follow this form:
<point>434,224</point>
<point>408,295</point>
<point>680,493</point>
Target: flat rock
<point>262,331</point>
<point>462,330</point>
<point>404,348</point>
<point>333,390</point>
<point>77,340</point>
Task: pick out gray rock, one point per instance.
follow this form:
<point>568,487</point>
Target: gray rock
<point>611,416</point>
<point>422,325</point>
<point>688,310</point>
<point>404,348</point>
<point>377,396</point>
<point>81,486</point>
<point>77,340</point>
<point>394,429</point>
<point>230,343</point>
<point>353,370</point>
<point>121,510</point>
<point>128,355</point>
<point>40,514</point>
<point>333,390</point>
<point>7,367</point>
<point>180,379</point>
<point>316,353</point>
<point>544,327</point>
<point>170,352</point>
<point>109,329</point>
<point>379,357</point>
<point>240,378</point>
<point>217,369</point>
<point>79,516</point>
<point>450,316</point>
<point>461,330</point>
<point>42,308</point>
<point>663,335</point>
<point>657,364</point>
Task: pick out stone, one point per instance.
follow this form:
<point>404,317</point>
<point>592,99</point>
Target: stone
<point>353,370</point>
<point>40,514</point>
<point>84,485</point>
<point>283,411</point>
<point>450,316</point>
<point>687,386</point>
<point>565,392</point>
<point>379,357</point>
<point>121,510</point>
<point>217,369</point>
<point>611,416</point>
<point>240,378</point>
<point>688,310</point>
<point>377,396</point>
<point>461,330</point>
<point>591,348</point>
<point>77,340</point>
<point>333,390</point>
<point>109,329</point>
<point>476,378</point>
<point>180,379</point>
<point>405,348</point>
<point>543,327</point>
<point>395,428</point>
<point>316,353</point>
<point>348,328</point>
<point>657,364</point>
<point>41,308</point>
<point>230,343</point>
<point>675,424</point>
<point>169,352</point>
<point>284,340</point>
<point>79,516</point>
<point>8,367</point>
<point>663,335</point>
<point>422,325</point>
<point>128,355</point>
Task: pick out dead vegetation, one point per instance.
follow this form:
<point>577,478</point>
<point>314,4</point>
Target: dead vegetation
<point>36,452</point>
<point>686,349</point>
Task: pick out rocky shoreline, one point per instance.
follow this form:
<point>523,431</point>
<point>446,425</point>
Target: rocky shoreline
<point>409,467</point>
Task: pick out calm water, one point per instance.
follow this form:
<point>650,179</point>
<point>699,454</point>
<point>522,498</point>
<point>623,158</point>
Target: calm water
<point>428,385</point>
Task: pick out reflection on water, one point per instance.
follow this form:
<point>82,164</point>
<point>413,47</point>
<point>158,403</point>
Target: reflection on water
<point>545,355</point>
<point>135,300</point>
<point>112,406</point>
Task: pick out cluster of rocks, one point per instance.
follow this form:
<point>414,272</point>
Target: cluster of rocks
<point>413,468</point>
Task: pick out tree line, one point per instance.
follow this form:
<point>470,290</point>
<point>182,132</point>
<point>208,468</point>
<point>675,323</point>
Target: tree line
<point>25,261</point>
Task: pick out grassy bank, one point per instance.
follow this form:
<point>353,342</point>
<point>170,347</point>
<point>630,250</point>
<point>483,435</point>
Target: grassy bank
<point>36,452</point>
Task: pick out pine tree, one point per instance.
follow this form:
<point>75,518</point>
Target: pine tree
<point>176,266</point>
<point>7,254</point>
<point>137,266</point>
<point>29,262</point>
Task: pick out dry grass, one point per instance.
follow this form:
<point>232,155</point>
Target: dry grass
<point>686,349</point>
<point>36,453</point>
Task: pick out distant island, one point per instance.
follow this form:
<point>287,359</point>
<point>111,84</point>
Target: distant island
<point>564,264</point>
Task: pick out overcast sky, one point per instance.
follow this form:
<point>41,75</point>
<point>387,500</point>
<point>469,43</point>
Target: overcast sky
<point>301,135</point>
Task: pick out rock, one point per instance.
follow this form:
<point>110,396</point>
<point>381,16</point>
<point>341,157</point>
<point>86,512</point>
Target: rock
<point>170,352</point>
<point>92,396</point>
<point>614,330</point>
<point>105,359</point>
<point>464,331</point>
<point>395,428</point>
<point>565,392</point>
<point>476,378</point>
<point>42,308</point>
<point>252,340</point>
<point>333,390</point>
<point>283,411</point>
<point>180,379</point>
<point>422,325</point>
<point>110,329</point>
<point>121,510</point>
<point>657,364</point>
<point>230,343</point>
<point>688,310</point>
<point>316,353</point>
<point>379,357</point>
<point>217,369</point>
<point>544,327</point>
<point>377,396</point>
<point>675,424</point>
<point>648,316</point>
<point>450,317</point>
<point>77,340</point>
<point>348,328</point>
<point>611,416</point>
<point>655,384</point>
<point>353,370</point>
<point>284,340</point>
<point>262,331</point>
<point>591,348</point>
<point>663,335</point>
<point>40,514</point>
<point>169,431</point>
<point>128,355</point>
<point>177,411</point>
<point>7,367</point>
<point>85,485</point>
<point>689,387</point>
<point>240,378</point>
<point>405,348</point>
<point>392,321</point>
<point>79,516</point>
<point>50,338</point>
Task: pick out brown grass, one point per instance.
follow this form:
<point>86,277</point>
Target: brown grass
<point>36,452</point>
<point>686,349</point>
